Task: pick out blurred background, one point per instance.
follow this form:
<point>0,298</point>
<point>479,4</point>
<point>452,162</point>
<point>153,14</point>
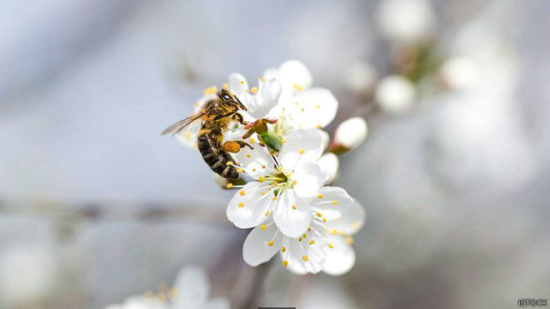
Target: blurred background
<point>95,206</point>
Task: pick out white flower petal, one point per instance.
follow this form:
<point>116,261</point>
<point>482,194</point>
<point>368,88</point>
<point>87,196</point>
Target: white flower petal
<point>266,99</point>
<point>294,72</point>
<point>305,256</point>
<point>261,244</point>
<point>192,287</point>
<point>300,146</point>
<point>326,139</point>
<point>329,164</point>
<point>351,132</point>
<point>237,84</point>
<point>309,179</point>
<point>311,108</point>
<point>340,258</point>
<point>250,204</point>
<point>291,214</point>
<point>255,162</point>
<point>342,212</point>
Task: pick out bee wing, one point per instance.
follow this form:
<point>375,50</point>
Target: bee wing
<point>180,125</point>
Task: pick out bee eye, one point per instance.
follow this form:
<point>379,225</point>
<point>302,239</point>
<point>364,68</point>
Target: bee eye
<point>226,97</point>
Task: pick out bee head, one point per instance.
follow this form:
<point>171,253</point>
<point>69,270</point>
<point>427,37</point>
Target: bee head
<point>230,99</point>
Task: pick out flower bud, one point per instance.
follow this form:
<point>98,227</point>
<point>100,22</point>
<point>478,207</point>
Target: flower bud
<point>406,21</point>
<point>395,94</point>
<point>350,134</point>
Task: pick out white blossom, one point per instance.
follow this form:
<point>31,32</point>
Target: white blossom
<point>329,163</point>
<point>324,246</point>
<point>395,94</point>
<point>460,73</point>
<point>282,185</point>
<point>190,291</point>
<point>406,21</point>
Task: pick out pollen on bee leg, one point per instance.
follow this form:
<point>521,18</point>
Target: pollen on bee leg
<point>240,170</point>
<point>229,163</point>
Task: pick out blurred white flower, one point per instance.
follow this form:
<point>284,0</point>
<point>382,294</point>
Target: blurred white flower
<point>459,73</point>
<point>27,275</point>
<point>406,21</point>
<point>324,246</point>
<point>190,291</point>
<point>351,133</point>
<point>395,94</point>
<point>282,185</point>
<point>361,77</point>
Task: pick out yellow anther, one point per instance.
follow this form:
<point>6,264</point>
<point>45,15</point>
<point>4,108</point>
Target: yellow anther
<point>267,213</point>
<point>225,86</point>
<point>285,263</point>
<point>319,215</point>
<point>252,140</point>
<point>254,169</point>
<point>173,293</point>
<point>283,249</point>
<point>356,225</point>
<point>324,219</point>
<point>240,170</point>
<point>229,163</point>
<point>312,242</point>
<point>304,236</point>
<point>248,155</point>
<point>296,103</point>
<point>241,205</point>
<point>264,167</point>
<point>331,246</point>
<point>229,186</point>
<point>254,90</point>
<point>283,141</point>
<point>350,240</point>
<point>318,106</point>
<point>274,197</point>
<point>300,239</point>
<point>242,82</point>
<point>270,243</point>
<point>262,192</point>
<point>318,126</point>
<point>261,179</point>
<point>198,103</point>
<point>334,202</point>
<point>297,87</point>
<point>210,90</point>
<point>305,258</point>
<point>294,182</point>
<point>263,227</point>
<point>302,151</point>
<point>334,232</point>
<point>263,79</point>
<point>242,193</point>
<point>302,109</point>
<point>320,196</point>
<point>294,207</point>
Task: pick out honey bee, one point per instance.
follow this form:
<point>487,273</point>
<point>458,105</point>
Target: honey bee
<point>215,117</point>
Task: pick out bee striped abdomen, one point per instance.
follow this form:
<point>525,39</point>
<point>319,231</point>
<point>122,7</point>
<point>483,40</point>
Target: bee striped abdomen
<point>215,157</point>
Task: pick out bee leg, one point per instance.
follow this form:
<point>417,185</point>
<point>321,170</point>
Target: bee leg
<point>244,144</point>
<point>240,119</point>
<point>224,115</point>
